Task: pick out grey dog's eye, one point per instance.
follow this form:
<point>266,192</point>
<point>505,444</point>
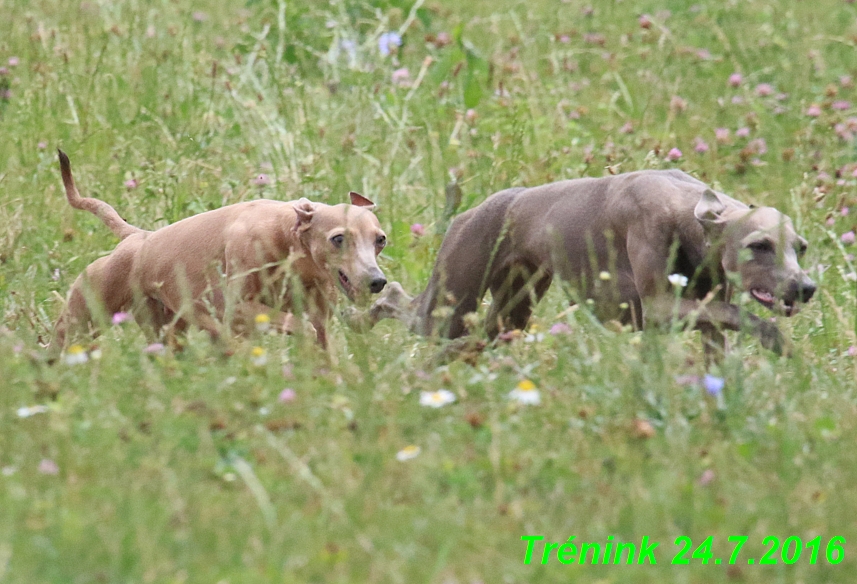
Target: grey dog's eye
<point>381,241</point>
<point>337,240</point>
<point>761,246</point>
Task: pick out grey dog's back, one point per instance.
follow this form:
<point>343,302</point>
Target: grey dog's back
<point>534,227</point>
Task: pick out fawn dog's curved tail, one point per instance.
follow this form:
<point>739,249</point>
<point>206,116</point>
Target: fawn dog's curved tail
<point>99,208</point>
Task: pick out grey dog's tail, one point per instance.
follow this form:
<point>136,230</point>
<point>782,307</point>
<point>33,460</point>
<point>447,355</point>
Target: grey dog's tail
<point>100,209</point>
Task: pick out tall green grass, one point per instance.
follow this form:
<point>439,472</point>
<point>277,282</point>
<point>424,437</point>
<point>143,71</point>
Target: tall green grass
<point>189,468</point>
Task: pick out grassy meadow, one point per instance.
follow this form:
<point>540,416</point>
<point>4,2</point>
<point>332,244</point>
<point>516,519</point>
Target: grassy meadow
<point>283,464</point>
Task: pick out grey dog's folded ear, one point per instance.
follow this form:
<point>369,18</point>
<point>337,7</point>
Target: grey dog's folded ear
<point>359,200</point>
<point>709,212</point>
<point>304,209</point>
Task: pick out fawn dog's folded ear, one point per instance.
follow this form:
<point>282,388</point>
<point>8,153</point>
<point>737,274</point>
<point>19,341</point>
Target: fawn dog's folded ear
<point>359,200</point>
<point>304,209</point>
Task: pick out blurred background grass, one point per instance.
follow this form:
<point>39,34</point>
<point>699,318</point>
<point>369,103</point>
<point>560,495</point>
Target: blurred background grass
<point>189,468</point>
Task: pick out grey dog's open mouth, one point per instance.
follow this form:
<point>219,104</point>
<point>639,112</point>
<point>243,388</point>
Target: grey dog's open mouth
<point>764,297</point>
<point>769,301</point>
<point>346,285</point>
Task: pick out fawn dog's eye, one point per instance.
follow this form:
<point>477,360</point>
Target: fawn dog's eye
<point>337,240</point>
<point>381,241</point>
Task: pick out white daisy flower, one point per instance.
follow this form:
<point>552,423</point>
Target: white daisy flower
<point>436,399</point>
<point>407,453</point>
<point>678,280</point>
<point>76,355</point>
<point>263,323</point>
<point>258,356</point>
<point>526,393</point>
<point>26,412</point>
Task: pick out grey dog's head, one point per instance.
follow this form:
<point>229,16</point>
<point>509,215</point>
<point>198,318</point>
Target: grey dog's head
<point>761,246</point>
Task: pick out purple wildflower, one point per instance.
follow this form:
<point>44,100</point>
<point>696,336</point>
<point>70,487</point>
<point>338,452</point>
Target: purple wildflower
<point>287,395</point>
<point>154,349</point>
<point>120,317</point>
<point>401,77</point>
<point>758,145</point>
<point>764,89</point>
<point>262,180</point>
<point>560,328</point>
<point>48,467</point>
<point>678,103</point>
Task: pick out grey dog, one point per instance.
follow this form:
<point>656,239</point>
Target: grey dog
<point>622,241</point>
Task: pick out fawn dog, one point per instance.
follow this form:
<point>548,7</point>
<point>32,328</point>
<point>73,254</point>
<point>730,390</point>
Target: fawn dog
<point>615,240</point>
<point>227,266</point>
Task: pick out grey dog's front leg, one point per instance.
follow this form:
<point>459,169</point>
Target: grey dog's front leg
<point>394,303</point>
<point>712,318</point>
<point>713,345</point>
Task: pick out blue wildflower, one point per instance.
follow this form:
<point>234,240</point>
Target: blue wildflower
<point>713,385</point>
<point>350,47</point>
<point>387,40</point>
